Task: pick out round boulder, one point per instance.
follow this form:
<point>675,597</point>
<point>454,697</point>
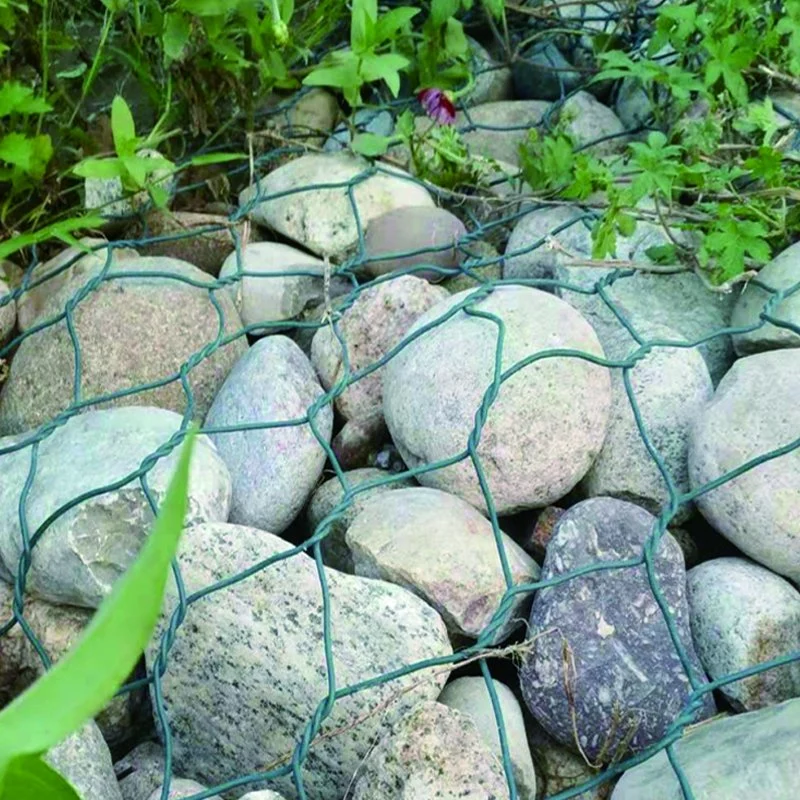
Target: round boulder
<point>754,412</point>
<point>545,426</point>
<point>8,313</point>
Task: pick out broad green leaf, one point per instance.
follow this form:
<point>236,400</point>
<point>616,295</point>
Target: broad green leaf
<point>31,154</point>
<point>123,129</point>
<point>662,254</point>
<point>216,158</point>
<point>377,67</point>
<point>30,778</point>
<point>362,30</point>
<point>16,98</point>
<point>369,7</point>
<point>287,10</point>
<point>455,41</point>
<point>344,75</point>
<point>98,168</point>
<point>496,7</point>
<point>115,6</point>
<point>63,699</point>
<point>75,72</point>
<point>441,10</point>
<point>57,229</point>
<point>393,21</point>
<point>370,144</point>
<point>205,8</point>
<point>176,34</point>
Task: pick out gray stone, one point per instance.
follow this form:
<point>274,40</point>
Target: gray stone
<point>435,752</point>
<point>753,412</point>
<point>360,440</point>
<point>182,787</point>
<point>140,771</point>
<point>330,494</point>
<point>781,274</point>
<point>542,73</point>
<point>254,653</point>
<point>748,755</point>
<point>787,110</point>
<point>265,795</point>
<point>366,120</point>
<point>471,696</point>
<point>307,200</point>
<point>742,615</point>
<point>587,120</point>
<point>275,469</point>
<point>370,329</point>
<point>8,313</point>
<point>57,629</point>
<point>434,231</point>
<point>483,261</point>
<point>679,301</point>
<point>604,676</point>
<point>548,421</point>
<point>307,118</point>
<point>439,547</point>
<point>671,386</point>
<point>84,760</point>
<point>269,296</point>
<point>132,332</point>
<point>492,81</point>
<point>108,197</point>
<point>86,548</point>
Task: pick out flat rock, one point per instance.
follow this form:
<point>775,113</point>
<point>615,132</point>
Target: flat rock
<point>87,547</point>
<point>85,761</point>
<point>307,200</point>
<point>370,329</point>
<point>742,615</point>
<point>274,469</point>
<point>587,120</point>
<point>671,386</point>
<point>132,332</point>
<point>781,274</point>
<point>328,498</point>
<point>433,753</point>
<point>439,547</point>
<point>548,421</point>
<point>626,679</point>
<point>753,412</point>
<point>748,755</point>
<point>470,696</point>
<point>182,787</point>
<point>255,653</point>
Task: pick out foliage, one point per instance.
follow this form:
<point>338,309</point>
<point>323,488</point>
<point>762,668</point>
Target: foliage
<point>62,700</point>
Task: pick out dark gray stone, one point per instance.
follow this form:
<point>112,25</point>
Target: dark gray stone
<point>366,120</point>
<point>542,73</point>
<point>603,636</point>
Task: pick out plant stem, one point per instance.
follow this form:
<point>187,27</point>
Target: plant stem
<point>95,68</point>
<point>45,58</point>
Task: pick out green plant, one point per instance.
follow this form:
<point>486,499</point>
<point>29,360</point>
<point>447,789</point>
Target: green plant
<point>62,700</point>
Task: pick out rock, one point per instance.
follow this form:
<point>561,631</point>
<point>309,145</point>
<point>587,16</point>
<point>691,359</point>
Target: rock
<point>439,752</point>
<point>84,760</point>
<point>308,117</point>
<point>57,629</point>
<point>327,497</point>
<point>496,130</point>
<point>274,469</point>
<point>536,543</point>
<point>748,755</point>
<point>593,126</point>
<point>691,552</point>
<point>366,120</point>
<point>48,277</point>
<point>483,261</point>
<point>753,412</point>
<point>442,549</point>
<point>370,329</point>
<point>267,295</point>
<point>132,333</point>
<point>635,105</point>
<point>265,795</point>
<point>181,787</point>
<point>492,81</point>
<point>781,274</point>
<point>312,319</point>
<point>8,313</point>
<point>542,73</point>
<point>625,675</point>
<point>267,633</point>
<point>743,615</point>
<point>471,697</point>
<point>787,108</point>
<point>434,231</point>
<point>359,440</point>
<point>140,771</point>
<point>671,386</point>
<point>108,197</point>
<point>313,207</point>
<point>542,431</point>
<point>204,240</point>
<point>86,548</point>
<point>678,301</point>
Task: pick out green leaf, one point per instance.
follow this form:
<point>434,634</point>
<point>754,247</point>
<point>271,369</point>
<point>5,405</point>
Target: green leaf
<point>103,168</point>
<point>455,41</point>
<point>205,8</point>
<point>115,6</point>
<point>384,67</point>
<point>30,154</point>
<point>123,129</point>
<point>626,224</point>
<point>28,777</point>
<point>343,75</point>
<point>75,72</point>
<point>393,21</point>
<point>370,144</point>
<point>56,230</point>
<point>362,30</point>
<point>662,254</point>
<point>287,10</point>
<point>368,7</point>
<point>63,699</point>
<point>496,8</point>
<point>176,35</point>
<point>216,158</point>
<point>16,98</point>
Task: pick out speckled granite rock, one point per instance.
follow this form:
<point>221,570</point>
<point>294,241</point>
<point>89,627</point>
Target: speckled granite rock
<point>182,787</point>
<point>140,771</point>
<point>626,679</point>
<point>359,440</point>
<point>88,547</point>
<point>254,653</point>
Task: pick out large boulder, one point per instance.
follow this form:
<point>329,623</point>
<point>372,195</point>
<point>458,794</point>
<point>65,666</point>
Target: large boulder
<point>255,653</point>
<point>603,675</point>
<point>133,336</point>
<point>548,420</point>
<point>8,313</point>
<point>274,463</point>
<point>753,413</point>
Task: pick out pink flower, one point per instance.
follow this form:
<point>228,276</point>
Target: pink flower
<point>438,106</point>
